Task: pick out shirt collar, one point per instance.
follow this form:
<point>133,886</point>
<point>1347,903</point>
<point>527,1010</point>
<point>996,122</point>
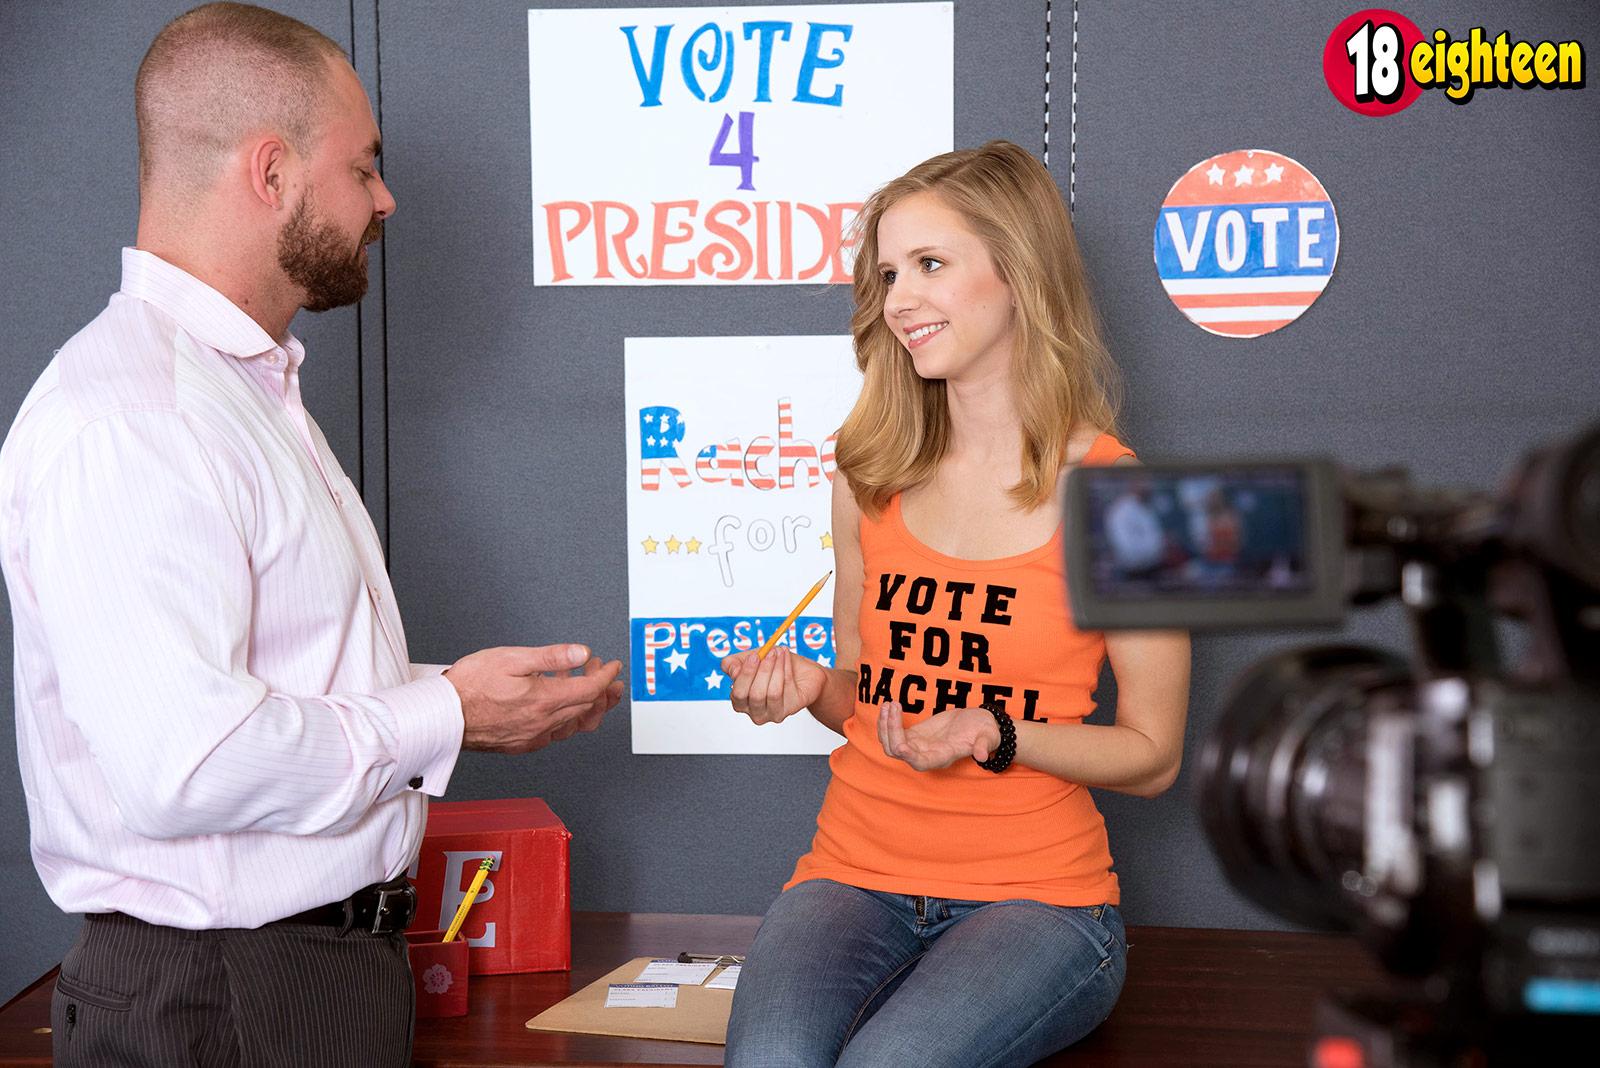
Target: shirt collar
<point>204,313</point>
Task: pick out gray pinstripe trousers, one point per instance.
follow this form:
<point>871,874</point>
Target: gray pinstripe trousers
<point>132,994</point>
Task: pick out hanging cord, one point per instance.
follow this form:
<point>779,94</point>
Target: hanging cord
<point>1047,83</point>
<point>1072,144</point>
<point>1072,139</point>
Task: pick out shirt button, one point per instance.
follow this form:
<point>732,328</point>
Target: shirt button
<point>415,783</point>
<point>274,359</point>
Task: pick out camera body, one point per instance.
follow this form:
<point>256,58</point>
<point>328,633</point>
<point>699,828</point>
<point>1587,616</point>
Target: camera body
<point>1447,808</point>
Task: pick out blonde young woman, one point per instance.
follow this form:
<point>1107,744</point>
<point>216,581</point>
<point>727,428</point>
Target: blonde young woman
<point>958,905</point>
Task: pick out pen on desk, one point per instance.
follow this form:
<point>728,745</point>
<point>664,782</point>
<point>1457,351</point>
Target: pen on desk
<point>709,958</point>
<point>766,646</point>
<point>466,902</point>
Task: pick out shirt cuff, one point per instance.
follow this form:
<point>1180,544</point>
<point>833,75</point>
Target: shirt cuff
<point>428,725</point>
<point>428,671</point>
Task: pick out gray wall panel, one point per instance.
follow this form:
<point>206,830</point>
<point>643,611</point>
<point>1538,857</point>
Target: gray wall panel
<point>506,417</point>
<point>68,203</point>
<point>1458,329</point>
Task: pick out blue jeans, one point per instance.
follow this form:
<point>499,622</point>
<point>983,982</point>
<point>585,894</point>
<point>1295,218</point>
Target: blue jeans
<point>850,977</point>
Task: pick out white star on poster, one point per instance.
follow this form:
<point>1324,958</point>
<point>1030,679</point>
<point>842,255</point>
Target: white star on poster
<point>1243,175</point>
<point>714,680</point>
<point>666,423</point>
<point>1215,174</point>
<point>1274,174</point>
<point>679,660</point>
<point>823,660</point>
<point>649,441</point>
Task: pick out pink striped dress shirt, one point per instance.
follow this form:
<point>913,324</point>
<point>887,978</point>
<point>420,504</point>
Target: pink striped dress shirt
<point>217,719</point>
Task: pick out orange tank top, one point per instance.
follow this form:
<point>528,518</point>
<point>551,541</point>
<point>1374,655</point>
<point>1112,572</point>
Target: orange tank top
<point>941,632</point>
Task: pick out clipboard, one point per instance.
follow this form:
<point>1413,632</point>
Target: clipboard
<point>701,1015</point>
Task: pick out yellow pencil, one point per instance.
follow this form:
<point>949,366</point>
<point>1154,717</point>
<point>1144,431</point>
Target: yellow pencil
<point>766,646</point>
<point>466,902</point>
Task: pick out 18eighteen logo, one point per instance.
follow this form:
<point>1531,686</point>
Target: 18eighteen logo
<point>1378,61</point>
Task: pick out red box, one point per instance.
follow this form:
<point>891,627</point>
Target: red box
<point>439,973</point>
<point>522,918</point>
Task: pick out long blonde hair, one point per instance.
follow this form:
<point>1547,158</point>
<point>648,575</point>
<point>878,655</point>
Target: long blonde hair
<point>899,429</point>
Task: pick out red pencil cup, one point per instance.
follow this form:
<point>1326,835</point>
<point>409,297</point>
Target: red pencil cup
<point>439,972</point>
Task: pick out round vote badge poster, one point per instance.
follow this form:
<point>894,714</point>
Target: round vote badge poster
<point>1245,242</point>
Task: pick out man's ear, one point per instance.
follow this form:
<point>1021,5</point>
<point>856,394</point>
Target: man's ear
<point>268,165</point>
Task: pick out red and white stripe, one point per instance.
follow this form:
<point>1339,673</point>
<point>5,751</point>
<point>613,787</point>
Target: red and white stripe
<point>792,452</point>
<point>650,473</point>
<point>652,645</point>
<point>730,460</point>
<point>1245,307</point>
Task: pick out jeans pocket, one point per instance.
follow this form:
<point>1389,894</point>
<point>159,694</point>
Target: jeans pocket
<point>1086,922</point>
<point>1110,920</point>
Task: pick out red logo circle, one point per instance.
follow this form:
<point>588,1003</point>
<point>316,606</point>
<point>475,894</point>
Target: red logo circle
<point>1367,61</point>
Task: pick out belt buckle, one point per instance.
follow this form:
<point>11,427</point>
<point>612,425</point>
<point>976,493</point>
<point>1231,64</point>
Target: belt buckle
<point>408,895</point>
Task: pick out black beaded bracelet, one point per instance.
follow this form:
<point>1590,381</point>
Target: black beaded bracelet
<point>1006,751</point>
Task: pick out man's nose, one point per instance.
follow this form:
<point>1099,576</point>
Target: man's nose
<point>383,201</point>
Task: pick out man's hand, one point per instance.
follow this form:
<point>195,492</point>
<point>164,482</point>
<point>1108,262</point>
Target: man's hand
<point>938,741</point>
<point>516,699</point>
<point>773,689</point>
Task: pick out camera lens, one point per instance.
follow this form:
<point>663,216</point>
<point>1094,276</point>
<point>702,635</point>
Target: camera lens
<point>1555,508</point>
<point>1584,517</point>
<point>1283,778</point>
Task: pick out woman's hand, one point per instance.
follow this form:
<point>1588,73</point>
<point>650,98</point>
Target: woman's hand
<point>772,690</point>
<point>938,741</point>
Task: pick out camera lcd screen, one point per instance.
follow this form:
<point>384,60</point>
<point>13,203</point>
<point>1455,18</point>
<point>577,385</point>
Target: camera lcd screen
<point>1202,534</point>
<point>1205,545</point>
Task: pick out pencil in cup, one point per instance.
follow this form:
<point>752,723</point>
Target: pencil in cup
<point>466,902</point>
<point>772,639</point>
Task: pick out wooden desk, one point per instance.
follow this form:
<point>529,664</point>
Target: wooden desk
<point>1233,999</point>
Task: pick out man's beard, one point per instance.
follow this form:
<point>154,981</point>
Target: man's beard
<point>316,256</point>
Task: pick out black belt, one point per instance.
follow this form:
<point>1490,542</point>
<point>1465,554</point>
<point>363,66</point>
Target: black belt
<point>377,909</point>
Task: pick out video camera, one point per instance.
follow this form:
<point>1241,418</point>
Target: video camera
<point>1448,810</point>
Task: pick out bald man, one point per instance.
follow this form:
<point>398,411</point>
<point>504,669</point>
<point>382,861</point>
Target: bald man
<point>225,749</point>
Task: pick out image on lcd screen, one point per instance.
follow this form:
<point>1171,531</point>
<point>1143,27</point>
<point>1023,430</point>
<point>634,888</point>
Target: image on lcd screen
<point>1202,534</point>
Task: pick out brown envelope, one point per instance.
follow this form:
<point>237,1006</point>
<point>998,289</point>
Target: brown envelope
<point>701,1015</point>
